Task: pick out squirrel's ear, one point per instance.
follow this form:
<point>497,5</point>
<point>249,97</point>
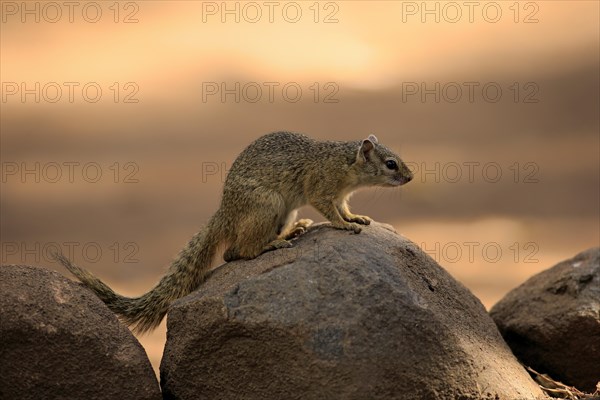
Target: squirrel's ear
<point>365,150</point>
<point>373,139</point>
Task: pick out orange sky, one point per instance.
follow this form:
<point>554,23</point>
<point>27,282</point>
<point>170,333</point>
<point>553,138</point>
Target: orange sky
<point>369,47</point>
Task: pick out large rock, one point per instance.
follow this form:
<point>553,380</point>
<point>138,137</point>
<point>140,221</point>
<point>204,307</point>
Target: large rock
<point>339,315</point>
<point>552,321</point>
<point>59,341</point>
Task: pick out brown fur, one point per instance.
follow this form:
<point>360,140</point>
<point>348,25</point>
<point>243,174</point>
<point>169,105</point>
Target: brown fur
<point>270,179</point>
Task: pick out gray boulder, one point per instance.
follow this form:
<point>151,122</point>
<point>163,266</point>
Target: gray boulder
<point>552,321</point>
<point>59,341</point>
<point>338,316</point>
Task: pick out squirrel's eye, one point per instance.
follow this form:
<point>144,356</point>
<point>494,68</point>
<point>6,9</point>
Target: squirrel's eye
<point>391,164</point>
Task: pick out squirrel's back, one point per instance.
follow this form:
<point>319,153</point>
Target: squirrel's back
<point>287,156</point>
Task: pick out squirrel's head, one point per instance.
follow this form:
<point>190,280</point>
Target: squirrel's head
<point>378,166</point>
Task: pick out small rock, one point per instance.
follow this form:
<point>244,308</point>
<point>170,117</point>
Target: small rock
<point>59,341</point>
<point>552,321</point>
<point>338,316</point>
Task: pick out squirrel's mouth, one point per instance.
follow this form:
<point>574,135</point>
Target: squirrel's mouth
<point>400,180</point>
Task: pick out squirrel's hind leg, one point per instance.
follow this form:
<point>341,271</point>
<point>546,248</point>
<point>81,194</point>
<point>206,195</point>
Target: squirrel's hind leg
<point>299,228</point>
<point>259,228</point>
<point>291,229</point>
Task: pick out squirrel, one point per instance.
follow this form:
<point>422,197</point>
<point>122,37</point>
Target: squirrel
<point>273,177</point>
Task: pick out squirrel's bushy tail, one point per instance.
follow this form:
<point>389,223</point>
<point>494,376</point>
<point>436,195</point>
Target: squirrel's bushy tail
<point>185,275</point>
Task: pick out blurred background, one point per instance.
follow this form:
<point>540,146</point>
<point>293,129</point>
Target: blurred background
<point>119,121</point>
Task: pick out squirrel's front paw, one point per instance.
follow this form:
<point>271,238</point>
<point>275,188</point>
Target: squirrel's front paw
<point>359,219</point>
<point>348,227</point>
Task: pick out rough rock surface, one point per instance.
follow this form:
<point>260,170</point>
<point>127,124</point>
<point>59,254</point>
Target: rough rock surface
<point>338,316</point>
<point>59,341</point>
<point>552,321</point>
